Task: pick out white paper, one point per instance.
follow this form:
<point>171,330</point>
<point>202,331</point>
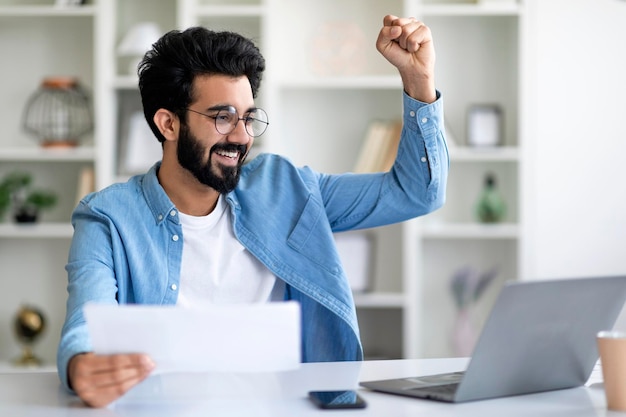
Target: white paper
<point>229,338</point>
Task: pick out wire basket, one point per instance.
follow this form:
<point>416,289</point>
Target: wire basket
<point>58,113</point>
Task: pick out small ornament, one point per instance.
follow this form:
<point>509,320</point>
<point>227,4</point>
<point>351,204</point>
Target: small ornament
<point>491,207</point>
<point>467,286</point>
<point>484,125</point>
<point>29,324</point>
<point>58,113</point>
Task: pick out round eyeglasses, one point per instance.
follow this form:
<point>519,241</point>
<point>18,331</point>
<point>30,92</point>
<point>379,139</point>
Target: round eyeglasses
<point>226,118</point>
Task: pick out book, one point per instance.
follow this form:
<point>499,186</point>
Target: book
<point>86,183</point>
<point>372,144</point>
<point>380,147</point>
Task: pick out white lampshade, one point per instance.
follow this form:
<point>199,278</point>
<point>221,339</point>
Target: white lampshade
<point>139,39</point>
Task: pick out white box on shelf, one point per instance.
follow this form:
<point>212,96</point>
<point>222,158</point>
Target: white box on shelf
<point>355,253</point>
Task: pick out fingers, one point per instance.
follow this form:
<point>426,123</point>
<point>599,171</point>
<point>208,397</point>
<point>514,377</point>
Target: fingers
<point>100,379</point>
<point>408,32</point>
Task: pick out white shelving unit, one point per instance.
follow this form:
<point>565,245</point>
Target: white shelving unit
<point>318,116</point>
<point>480,53</point>
<point>41,40</point>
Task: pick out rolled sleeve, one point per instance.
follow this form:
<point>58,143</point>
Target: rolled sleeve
<point>427,119</point>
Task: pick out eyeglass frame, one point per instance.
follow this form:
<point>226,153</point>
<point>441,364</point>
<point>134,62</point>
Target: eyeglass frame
<point>232,110</point>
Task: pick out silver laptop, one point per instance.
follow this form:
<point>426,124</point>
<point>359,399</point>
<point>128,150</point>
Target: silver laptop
<point>540,336</point>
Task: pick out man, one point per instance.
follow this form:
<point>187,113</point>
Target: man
<point>201,227</point>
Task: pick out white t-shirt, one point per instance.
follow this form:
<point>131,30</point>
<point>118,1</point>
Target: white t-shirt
<point>216,268</point>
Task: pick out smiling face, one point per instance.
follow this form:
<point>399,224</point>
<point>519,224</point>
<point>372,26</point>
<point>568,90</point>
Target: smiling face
<point>215,159</point>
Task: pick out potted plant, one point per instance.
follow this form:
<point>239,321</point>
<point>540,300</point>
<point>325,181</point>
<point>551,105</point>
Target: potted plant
<point>9,185</point>
<point>15,192</point>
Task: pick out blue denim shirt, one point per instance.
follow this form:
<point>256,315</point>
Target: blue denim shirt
<point>127,244</point>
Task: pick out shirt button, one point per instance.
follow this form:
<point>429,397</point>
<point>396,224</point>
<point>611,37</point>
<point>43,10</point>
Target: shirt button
<point>175,238</point>
<point>173,213</point>
<point>424,119</point>
<point>412,113</point>
<point>173,287</point>
<point>423,159</point>
<point>160,217</point>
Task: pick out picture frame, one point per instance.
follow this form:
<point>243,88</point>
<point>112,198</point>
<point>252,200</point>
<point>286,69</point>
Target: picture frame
<point>484,125</point>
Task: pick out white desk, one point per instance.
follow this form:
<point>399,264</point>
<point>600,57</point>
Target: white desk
<point>284,394</point>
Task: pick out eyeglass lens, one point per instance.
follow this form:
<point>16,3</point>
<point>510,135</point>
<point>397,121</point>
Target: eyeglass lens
<point>255,121</point>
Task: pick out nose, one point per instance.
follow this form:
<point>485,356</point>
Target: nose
<point>239,133</point>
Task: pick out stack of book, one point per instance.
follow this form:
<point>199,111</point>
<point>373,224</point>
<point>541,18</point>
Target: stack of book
<point>380,147</point>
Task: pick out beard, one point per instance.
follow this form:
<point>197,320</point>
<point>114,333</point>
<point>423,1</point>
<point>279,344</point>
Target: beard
<point>222,179</point>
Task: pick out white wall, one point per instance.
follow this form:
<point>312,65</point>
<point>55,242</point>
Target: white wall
<point>575,199</point>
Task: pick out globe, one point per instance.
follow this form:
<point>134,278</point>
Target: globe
<point>29,324</point>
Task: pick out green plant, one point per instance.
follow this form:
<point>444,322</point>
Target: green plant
<point>15,192</point>
<point>9,185</point>
<point>41,199</point>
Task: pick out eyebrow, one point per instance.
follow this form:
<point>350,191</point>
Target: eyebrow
<point>228,106</point>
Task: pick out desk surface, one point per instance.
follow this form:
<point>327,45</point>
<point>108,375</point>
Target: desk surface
<point>284,394</point>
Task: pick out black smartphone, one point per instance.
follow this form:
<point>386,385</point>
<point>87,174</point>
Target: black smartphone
<point>332,400</point>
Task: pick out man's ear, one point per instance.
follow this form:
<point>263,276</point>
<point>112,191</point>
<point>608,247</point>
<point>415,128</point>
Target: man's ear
<point>168,124</point>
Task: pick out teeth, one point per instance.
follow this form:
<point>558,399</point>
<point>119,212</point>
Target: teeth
<point>228,154</point>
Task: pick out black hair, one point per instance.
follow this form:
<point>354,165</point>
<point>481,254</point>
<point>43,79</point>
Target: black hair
<point>167,71</point>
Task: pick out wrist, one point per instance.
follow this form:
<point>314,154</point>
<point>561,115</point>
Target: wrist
<point>421,89</point>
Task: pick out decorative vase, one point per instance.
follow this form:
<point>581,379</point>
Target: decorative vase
<point>464,333</point>
<point>58,113</point>
<point>490,207</point>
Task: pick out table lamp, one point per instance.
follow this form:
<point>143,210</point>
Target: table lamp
<point>137,41</point>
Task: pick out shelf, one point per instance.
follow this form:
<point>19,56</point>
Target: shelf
<point>484,9</point>
<point>343,82</point>
<point>36,231</point>
<point>46,11</point>
<point>470,231</point>
<point>9,368</point>
<point>467,154</point>
<point>379,300</point>
<point>80,153</point>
